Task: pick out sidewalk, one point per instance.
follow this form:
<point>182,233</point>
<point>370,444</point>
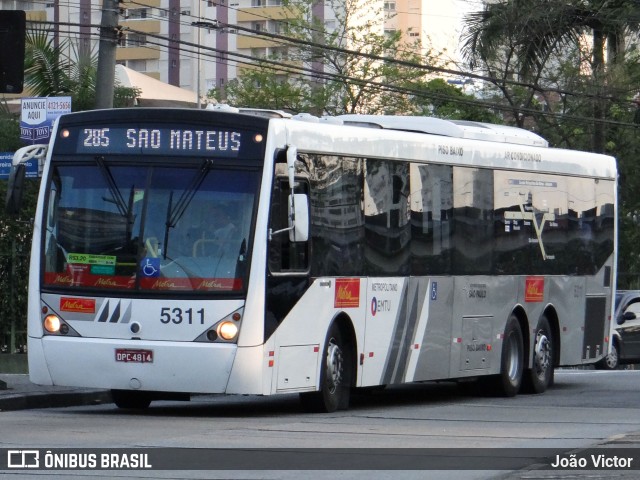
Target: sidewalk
<point>21,394</point>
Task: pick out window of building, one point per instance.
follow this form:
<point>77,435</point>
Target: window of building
<point>136,40</point>
<point>137,65</point>
<point>258,52</point>
<point>137,13</point>
<point>277,27</point>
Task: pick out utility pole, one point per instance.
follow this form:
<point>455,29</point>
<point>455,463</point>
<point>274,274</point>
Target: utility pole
<point>107,54</point>
<point>12,293</point>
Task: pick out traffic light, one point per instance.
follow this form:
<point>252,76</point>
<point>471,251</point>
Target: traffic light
<point>12,31</point>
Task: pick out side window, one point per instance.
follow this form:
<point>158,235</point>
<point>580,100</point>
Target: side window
<point>603,231</point>
<point>633,307</point>
<point>516,246</point>
<point>337,219</point>
<point>431,212</point>
<point>386,218</point>
<point>580,248</point>
<point>473,220</point>
<point>285,256</point>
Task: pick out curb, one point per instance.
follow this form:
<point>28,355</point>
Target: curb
<point>54,400</point>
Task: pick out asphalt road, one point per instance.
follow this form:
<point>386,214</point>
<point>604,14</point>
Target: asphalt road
<point>585,409</point>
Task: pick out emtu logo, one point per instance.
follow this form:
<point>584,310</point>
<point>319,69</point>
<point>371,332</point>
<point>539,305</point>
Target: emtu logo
<point>23,459</point>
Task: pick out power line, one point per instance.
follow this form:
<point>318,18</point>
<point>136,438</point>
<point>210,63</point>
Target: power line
<point>288,68</point>
<point>285,40</point>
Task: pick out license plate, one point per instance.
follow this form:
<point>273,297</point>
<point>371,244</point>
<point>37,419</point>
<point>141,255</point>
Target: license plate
<point>134,356</point>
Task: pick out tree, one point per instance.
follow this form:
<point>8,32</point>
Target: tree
<point>15,235</point>
<point>439,99</point>
<point>351,67</point>
<point>260,88</point>
<point>527,33</point>
<point>65,70</point>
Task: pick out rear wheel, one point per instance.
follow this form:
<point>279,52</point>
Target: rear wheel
<point>540,377</point>
<point>130,399</point>
<point>335,376</point>
<point>508,381</point>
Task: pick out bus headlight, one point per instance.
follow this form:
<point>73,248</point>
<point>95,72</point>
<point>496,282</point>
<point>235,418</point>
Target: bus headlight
<point>52,323</point>
<point>227,330</point>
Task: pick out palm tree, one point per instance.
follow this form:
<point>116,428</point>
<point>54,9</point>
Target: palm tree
<point>50,72</point>
<point>533,30</point>
<point>45,74</point>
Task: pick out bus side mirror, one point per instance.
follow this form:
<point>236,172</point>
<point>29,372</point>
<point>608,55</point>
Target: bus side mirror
<point>15,189</point>
<point>299,221</point>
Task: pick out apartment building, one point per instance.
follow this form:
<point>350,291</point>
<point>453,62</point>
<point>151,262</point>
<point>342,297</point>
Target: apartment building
<point>202,44</point>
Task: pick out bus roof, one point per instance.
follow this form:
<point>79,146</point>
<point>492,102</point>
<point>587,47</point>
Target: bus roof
<point>423,139</point>
<point>449,128</point>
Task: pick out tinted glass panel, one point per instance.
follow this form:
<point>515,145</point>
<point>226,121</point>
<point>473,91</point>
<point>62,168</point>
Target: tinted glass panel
<point>431,219</point>
<point>473,220</point>
<point>138,227</point>
<point>386,210</point>
<point>337,219</point>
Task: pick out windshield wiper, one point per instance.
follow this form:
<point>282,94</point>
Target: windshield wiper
<point>175,213</point>
<point>117,199</point>
<point>125,209</point>
<point>189,192</point>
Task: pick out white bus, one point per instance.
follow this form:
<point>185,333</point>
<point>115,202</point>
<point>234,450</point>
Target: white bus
<point>194,251</point>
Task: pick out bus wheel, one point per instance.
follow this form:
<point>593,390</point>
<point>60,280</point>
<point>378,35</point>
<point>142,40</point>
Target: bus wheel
<point>508,381</point>
<point>130,399</point>
<point>335,376</point>
<point>540,377</point>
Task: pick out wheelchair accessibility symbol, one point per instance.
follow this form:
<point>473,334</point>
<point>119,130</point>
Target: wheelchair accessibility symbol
<point>150,267</point>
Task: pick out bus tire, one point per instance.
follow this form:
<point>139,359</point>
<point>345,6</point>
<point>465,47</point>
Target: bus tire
<point>131,400</point>
<point>335,376</point>
<point>540,376</point>
<point>508,382</point>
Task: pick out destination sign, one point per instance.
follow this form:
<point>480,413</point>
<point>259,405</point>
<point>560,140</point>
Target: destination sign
<point>182,141</point>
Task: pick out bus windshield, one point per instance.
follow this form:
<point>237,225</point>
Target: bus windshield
<point>148,227</point>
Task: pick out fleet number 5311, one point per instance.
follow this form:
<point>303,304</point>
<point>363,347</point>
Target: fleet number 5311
<point>179,315</point>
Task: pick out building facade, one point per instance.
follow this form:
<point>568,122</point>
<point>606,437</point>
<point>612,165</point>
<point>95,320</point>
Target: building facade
<point>202,44</point>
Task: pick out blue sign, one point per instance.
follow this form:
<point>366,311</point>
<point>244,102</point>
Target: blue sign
<point>5,166</point>
<point>156,140</point>
<point>150,267</point>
